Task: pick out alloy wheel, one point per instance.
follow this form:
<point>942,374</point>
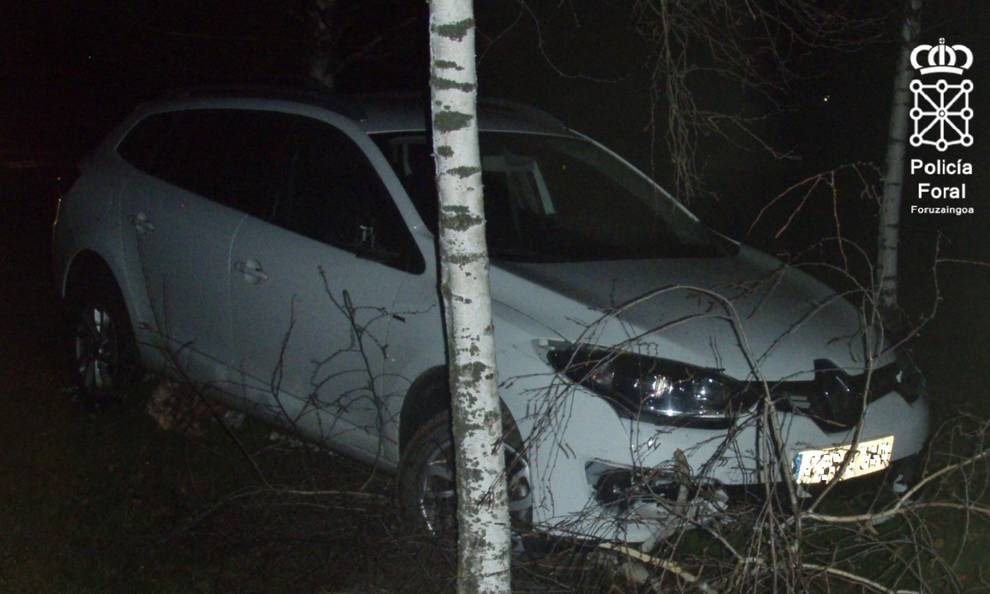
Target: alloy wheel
<point>97,351</point>
<point>438,495</point>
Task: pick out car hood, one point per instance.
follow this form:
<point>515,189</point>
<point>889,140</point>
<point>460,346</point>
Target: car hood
<point>683,309</point>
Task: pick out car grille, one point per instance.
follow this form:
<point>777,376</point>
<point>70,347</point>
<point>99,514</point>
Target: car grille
<point>834,399</point>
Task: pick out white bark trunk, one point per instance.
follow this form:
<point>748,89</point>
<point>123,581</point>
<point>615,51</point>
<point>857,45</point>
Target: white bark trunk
<point>482,509</point>
<point>322,57</point>
<point>893,184</point>
<point>321,68</point>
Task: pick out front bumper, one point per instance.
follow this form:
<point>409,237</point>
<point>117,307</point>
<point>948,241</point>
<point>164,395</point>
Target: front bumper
<point>602,477</point>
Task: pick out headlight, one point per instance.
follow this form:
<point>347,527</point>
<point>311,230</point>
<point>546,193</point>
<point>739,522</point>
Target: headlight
<point>649,388</point>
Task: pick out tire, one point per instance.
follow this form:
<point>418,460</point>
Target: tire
<point>427,493</point>
<point>104,351</point>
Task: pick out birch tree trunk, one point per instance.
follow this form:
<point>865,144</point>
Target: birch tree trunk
<point>322,53</point>
<point>893,183</point>
<point>483,548</point>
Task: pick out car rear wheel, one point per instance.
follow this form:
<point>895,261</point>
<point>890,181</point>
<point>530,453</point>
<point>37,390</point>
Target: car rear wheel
<point>427,483</point>
<point>104,349</point>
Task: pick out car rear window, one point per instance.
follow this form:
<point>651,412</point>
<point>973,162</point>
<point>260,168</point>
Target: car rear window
<point>139,147</point>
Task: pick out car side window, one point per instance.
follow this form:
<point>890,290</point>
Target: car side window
<point>336,196</point>
<point>238,158</point>
<point>141,143</point>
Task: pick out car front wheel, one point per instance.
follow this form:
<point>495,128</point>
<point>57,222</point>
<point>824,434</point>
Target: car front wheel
<point>427,483</point>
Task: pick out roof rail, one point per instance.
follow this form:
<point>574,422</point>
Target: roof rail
<point>536,115</point>
<point>312,94</point>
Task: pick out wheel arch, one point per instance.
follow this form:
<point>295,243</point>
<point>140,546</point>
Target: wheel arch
<point>88,271</point>
<point>90,285</point>
<point>428,396</point>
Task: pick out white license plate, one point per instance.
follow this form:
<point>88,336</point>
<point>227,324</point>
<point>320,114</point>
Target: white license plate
<point>812,467</point>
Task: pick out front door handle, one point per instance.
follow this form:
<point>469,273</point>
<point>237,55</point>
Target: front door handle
<point>141,223</point>
<point>251,270</point>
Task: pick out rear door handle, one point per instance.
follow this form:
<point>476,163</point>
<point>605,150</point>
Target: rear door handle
<point>251,270</point>
<point>141,223</point>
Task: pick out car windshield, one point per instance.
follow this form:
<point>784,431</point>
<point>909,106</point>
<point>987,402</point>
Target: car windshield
<point>558,199</point>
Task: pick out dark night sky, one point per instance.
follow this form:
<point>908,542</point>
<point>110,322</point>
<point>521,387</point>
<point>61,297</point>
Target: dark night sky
<point>71,69</point>
<point>83,60</point>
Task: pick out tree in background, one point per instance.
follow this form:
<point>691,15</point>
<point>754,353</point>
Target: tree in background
<point>713,58</point>
<point>755,46</point>
<point>893,180</point>
<point>341,34</point>
<point>320,16</point>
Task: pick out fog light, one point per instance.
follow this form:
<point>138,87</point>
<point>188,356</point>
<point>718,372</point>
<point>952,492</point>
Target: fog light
<point>622,488</point>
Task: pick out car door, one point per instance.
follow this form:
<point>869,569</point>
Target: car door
<point>180,216</point>
<point>312,292</point>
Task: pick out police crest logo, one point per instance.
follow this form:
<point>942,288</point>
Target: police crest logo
<point>941,111</point>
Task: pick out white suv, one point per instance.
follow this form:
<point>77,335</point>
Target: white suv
<point>278,246</point>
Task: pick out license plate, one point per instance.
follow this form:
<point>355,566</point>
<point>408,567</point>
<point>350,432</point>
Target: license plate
<point>812,467</point>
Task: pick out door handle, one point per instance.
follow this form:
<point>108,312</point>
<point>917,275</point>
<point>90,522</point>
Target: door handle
<point>141,223</point>
<point>251,270</point>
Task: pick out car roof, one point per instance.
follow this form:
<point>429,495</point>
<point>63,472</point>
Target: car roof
<point>375,113</point>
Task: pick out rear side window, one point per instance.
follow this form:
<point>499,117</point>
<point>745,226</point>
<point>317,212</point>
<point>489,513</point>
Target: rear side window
<point>239,158</point>
<point>139,147</point>
<point>296,172</point>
